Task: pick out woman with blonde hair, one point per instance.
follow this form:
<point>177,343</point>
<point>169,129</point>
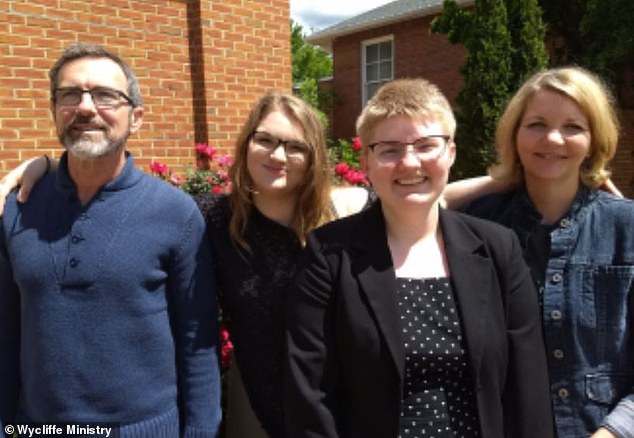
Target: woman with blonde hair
<point>554,142</point>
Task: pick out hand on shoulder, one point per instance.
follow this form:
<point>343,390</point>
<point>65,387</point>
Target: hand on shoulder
<point>603,433</point>
<point>25,176</point>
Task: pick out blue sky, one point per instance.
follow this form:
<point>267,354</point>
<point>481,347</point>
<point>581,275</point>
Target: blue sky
<point>318,14</point>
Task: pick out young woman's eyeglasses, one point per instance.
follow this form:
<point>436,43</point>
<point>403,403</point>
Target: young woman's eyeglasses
<point>294,149</point>
<point>429,148</point>
<point>102,97</point>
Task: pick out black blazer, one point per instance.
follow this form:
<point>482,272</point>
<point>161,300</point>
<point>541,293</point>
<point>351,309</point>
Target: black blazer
<point>345,358</point>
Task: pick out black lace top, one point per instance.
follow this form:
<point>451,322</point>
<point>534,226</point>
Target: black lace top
<point>252,290</point>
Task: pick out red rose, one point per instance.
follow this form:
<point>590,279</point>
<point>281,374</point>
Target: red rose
<point>356,144</point>
<point>341,169</point>
<point>159,168</point>
<point>205,150</point>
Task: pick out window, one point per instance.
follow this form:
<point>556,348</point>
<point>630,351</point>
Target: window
<point>377,66</point>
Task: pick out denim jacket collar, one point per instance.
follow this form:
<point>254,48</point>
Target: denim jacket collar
<point>526,217</point>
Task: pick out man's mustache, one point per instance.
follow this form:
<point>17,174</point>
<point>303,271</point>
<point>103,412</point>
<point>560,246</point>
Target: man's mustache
<point>85,121</point>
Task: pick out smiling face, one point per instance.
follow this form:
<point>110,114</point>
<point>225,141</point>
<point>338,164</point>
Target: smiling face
<point>553,139</point>
<point>272,172</point>
<point>86,131</point>
<point>409,181</point>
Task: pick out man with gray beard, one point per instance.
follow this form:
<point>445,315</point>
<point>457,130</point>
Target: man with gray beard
<point>107,307</point>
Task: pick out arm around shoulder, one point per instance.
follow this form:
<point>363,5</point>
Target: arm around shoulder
<point>458,194</point>
<point>25,176</point>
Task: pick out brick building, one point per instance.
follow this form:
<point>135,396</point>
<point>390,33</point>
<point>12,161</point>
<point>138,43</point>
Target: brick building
<point>395,41</point>
<point>201,65</point>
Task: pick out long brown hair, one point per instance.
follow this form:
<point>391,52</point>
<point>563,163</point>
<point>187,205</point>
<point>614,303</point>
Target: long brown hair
<point>313,201</point>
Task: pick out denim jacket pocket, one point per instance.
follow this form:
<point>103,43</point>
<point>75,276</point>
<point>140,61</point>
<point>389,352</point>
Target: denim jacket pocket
<point>608,388</point>
<point>605,295</point>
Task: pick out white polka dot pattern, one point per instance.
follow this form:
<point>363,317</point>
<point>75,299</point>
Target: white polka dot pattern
<point>439,401</point>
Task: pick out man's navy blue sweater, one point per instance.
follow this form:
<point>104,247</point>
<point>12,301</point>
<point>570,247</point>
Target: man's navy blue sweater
<point>107,310</point>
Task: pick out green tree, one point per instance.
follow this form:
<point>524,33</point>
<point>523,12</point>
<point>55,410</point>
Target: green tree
<point>504,42</point>
<point>487,74</point>
<point>308,61</point>
<point>596,34</point>
<point>527,35</point>
<point>310,64</point>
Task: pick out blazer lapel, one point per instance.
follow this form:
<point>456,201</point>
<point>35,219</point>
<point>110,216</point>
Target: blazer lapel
<point>471,271</point>
<point>472,275</point>
<point>375,271</point>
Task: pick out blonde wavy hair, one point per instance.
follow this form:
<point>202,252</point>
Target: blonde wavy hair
<point>313,200</point>
<point>595,100</point>
<point>413,97</point>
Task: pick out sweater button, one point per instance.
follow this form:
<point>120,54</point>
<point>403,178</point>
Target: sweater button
<point>556,278</point>
<point>73,262</point>
<point>555,315</point>
<point>565,223</point>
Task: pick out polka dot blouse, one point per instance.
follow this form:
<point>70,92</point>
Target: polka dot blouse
<point>439,401</point>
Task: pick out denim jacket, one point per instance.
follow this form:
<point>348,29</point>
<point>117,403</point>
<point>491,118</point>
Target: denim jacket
<point>588,307</point>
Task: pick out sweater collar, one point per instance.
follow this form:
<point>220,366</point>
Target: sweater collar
<point>128,177</point>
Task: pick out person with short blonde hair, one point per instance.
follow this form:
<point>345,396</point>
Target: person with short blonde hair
<point>407,319</point>
<point>415,98</point>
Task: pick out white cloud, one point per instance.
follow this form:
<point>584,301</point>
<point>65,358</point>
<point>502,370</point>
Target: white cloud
<point>318,14</point>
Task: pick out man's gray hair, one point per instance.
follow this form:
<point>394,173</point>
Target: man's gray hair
<point>86,50</point>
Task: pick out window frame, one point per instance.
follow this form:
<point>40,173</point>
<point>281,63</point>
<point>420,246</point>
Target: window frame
<point>364,45</point>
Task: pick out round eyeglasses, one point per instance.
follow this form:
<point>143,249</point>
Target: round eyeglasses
<point>428,148</point>
<point>102,97</point>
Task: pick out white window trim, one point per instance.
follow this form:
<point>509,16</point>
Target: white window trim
<point>364,44</point>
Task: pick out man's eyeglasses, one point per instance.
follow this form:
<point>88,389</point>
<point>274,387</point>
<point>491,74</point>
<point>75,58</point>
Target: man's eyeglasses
<point>102,97</point>
<point>429,148</point>
<point>294,149</point>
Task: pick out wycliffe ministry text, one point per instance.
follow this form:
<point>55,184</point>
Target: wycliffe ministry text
<point>65,430</point>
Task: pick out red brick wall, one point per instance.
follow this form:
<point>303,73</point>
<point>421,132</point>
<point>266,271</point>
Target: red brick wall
<point>623,164</point>
<point>417,53</point>
<point>201,65</point>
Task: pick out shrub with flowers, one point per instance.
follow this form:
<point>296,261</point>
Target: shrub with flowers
<point>210,175</point>
<point>346,155</point>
